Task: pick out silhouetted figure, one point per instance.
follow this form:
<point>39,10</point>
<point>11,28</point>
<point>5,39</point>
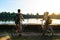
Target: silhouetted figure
<point>47,23</point>
<point>18,21</point>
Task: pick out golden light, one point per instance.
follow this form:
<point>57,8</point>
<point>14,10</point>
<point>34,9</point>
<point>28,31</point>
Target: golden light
<point>42,6</point>
<point>5,38</point>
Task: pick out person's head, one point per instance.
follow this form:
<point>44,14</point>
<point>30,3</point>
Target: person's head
<point>46,13</point>
<point>19,10</point>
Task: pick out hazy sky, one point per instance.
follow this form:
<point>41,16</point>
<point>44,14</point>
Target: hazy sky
<point>30,6</point>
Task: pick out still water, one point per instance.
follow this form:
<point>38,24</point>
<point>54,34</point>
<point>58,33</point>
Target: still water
<point>31,21</point>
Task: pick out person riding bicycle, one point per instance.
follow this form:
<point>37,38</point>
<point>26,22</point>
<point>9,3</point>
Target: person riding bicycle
<point>47,23</point>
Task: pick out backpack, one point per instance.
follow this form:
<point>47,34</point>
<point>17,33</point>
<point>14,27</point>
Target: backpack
<point>17,20</point>
<point>48,20</point>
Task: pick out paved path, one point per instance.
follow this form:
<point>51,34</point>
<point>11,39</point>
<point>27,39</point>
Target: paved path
<point>4,35</point>
<point>29,34</point>
<point>35,34</point>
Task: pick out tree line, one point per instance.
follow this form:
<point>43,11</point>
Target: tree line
<point>7,16</point>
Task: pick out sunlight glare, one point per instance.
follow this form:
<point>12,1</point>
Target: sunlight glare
<point>40,6</point>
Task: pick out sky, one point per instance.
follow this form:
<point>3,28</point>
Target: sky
<point>30,6</point>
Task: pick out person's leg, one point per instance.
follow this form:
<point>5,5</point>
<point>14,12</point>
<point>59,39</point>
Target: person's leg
<point>43,33</point>
<point>44,30</point>
<point>19,29</point>
<point>17,25</point>
<point>51,29</point>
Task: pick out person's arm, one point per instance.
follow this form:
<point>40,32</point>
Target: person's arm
<point>22,17</point>
<point>43,18</point>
